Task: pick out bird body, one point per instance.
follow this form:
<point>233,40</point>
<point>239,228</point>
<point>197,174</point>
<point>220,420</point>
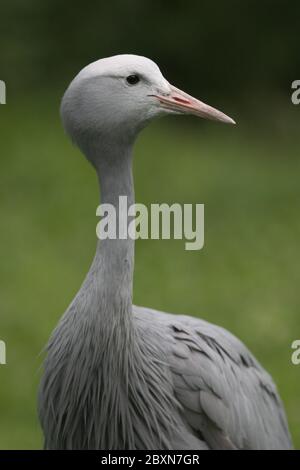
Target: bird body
<point>118,376</point>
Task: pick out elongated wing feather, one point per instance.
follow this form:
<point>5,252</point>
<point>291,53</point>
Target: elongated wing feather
<point>227,397</point>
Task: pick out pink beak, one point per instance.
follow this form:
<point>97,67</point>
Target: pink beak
<point>181,102</point>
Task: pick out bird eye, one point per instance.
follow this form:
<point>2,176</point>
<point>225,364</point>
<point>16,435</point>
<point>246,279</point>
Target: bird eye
<point>132,79</point>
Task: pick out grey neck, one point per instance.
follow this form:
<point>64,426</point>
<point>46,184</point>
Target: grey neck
<point>113,264</point>
<point>123,381</point>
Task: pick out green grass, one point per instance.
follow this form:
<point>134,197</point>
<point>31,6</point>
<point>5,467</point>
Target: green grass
<point>246,278</point>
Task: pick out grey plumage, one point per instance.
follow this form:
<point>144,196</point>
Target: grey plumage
<point>117,376</point>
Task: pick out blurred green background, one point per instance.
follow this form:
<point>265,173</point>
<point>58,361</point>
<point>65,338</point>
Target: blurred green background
<point>238,56</point>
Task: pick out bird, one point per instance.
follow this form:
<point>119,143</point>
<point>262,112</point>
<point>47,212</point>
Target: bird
<point>119,376</point>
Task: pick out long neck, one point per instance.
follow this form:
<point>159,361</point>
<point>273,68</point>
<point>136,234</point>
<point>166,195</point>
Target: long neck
<point>113,264</point>
<point>121,376</point>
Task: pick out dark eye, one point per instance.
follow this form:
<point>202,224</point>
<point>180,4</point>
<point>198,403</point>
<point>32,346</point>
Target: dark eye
<point>132,79</point>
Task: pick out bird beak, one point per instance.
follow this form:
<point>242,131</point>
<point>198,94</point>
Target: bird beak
<point>180,102</point>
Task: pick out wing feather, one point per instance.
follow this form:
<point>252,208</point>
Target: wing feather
<point>227,398</point>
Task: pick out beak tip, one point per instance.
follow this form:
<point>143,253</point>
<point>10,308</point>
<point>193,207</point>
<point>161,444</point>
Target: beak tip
<point>228,120</point>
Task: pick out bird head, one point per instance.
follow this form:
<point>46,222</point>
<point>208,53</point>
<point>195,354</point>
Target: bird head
<point>117,96</point>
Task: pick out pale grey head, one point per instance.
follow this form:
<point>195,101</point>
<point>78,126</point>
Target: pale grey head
<point>117,96</point>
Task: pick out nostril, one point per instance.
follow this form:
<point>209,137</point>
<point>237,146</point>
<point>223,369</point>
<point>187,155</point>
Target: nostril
<point>181,100</point>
